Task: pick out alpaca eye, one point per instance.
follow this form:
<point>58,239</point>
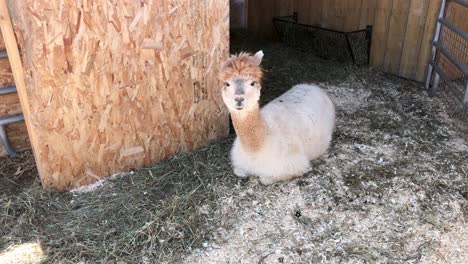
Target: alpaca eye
<point>226,84</point>
<point>252,83</point>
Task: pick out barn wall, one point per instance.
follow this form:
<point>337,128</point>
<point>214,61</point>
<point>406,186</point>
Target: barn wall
<point>402,29</point>
<point>9,105</point>
<point>402,35</point>
<point>335,14</point>
<point>116,85</point>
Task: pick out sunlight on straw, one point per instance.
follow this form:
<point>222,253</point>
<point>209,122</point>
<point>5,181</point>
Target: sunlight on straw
<point>22,254</point>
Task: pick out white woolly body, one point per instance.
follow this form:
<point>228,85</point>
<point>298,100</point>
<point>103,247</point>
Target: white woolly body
<point>299,128</point>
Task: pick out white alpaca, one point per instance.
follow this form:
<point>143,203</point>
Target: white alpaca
<point>277,142</point>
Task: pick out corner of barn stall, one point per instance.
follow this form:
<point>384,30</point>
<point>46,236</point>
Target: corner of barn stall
<point>112,86</point>
<point>402,30</point>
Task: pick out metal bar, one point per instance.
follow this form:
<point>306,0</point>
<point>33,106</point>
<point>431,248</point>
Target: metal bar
<point>7,90</point>
<point>369,43</point>
<point>452,27</point>
<point>11,119</point>
<point>465,98</point>
<point>435,84</point>
<point>6,142</point>
<point>449,56</point>
<point>440,73</point>
<point>348,43</point>
<point>434,48</point>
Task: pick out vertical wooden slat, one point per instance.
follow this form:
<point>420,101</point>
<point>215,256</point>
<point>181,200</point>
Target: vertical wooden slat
<point>282,7</point>
<point>413,38</point>
<point>333,14</point>
<point>396,35</point>
<point>383,12</point>
<point>367,13</point>
<point>302,7</point>
<point>426,44</point>
<point>327,13</point>
<point>352,10</point>
<point>315,12</point>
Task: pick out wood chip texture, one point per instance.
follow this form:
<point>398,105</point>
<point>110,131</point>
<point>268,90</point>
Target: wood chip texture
<point>116,85</point>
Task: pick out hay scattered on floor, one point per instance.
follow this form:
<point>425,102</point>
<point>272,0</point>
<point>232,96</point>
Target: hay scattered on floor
<point>393,188</point>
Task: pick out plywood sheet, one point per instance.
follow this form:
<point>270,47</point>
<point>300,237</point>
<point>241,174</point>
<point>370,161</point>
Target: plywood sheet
<point>6,77</point>
<point>2,44</point>
<point>115,85</point>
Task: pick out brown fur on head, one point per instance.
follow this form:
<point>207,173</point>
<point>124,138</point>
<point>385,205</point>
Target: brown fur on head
<point>243,64</point>
<point>241,75</point>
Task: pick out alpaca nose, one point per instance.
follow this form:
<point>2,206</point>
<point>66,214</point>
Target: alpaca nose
<point>239,100</point>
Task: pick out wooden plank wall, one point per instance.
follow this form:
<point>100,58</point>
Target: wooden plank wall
<point>116,85</point>
<point>402,35</point>
<point>335,14</point>
<point>402,29</point>
<point>9,105</point>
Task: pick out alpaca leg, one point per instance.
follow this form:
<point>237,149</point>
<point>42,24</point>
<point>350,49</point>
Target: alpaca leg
<point>298,167</point>
<point>265,180</point>
<point>240,172</point>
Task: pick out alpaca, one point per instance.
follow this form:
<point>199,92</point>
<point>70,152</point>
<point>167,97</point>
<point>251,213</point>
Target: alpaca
<point>275,143</point>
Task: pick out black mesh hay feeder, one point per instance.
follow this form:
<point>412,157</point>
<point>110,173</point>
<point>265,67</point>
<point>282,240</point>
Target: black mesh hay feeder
<point>353,46</point>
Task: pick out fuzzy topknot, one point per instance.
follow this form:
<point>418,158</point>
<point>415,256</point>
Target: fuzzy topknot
<point>242,64</point>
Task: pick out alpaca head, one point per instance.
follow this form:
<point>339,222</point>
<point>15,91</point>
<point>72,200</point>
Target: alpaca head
<point>241,76</point>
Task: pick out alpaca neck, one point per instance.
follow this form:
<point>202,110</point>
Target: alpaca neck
<point>250,128</point>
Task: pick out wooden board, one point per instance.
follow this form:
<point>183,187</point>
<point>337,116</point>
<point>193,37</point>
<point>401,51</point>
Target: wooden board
<point>116,85</point>
<point>428,36</point>
<point>413,38</point>
<point>396,35</point>
<point>383,13</point>
<point>2,44</point>
<point>315,12</point>
<point>367,13</point>
<point>302,8</point>
<point>352,13</point>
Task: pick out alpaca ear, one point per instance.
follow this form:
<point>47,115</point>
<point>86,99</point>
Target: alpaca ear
<point>258,57</point>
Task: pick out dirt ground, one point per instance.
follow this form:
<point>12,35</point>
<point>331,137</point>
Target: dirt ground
<point>393,188</point>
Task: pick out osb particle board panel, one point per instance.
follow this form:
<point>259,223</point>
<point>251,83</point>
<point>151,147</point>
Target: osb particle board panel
<point>115,85</point>
<point>2,44</point>
<point>6,77</point>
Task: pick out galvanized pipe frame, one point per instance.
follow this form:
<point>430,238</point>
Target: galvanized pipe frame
<point>3,135</point>
<point>7,90</point>
<point>8,119</point>
<point>437,46</point>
